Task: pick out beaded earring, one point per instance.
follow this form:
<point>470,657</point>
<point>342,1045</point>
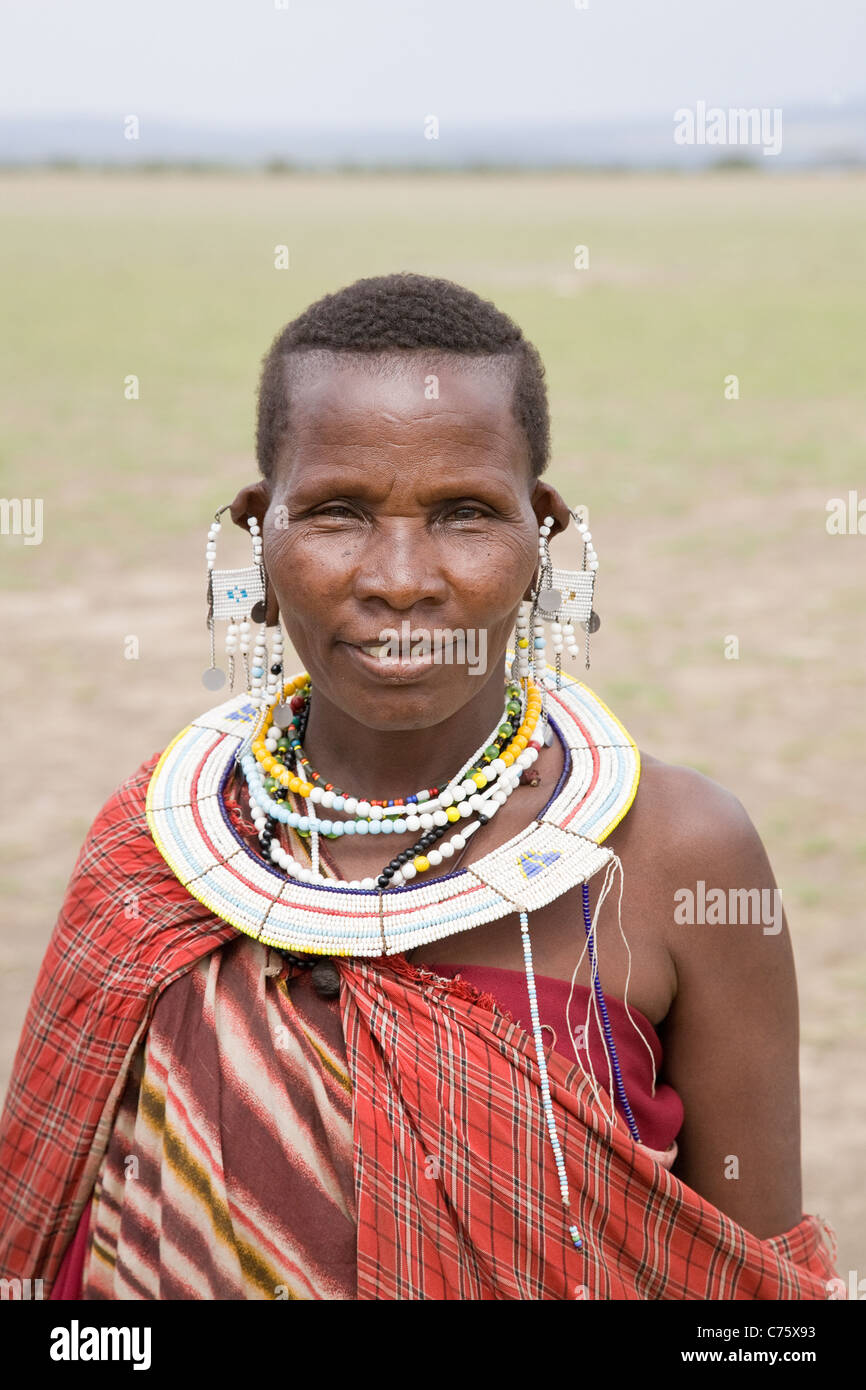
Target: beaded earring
<point>564,598</point>
<point>239,596</point>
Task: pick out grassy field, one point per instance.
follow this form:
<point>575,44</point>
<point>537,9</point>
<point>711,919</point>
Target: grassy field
<point>708,513</point>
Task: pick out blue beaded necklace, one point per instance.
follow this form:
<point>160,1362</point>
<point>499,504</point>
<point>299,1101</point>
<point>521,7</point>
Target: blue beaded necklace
<point>608,1035</point>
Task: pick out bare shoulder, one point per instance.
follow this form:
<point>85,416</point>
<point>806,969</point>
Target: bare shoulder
<point>730,1034</point>
<point>686,807</point>
<point>685,820</point>
<point>687,834</point>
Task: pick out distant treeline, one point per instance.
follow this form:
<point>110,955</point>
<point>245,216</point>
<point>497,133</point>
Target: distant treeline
<point>282,166</point>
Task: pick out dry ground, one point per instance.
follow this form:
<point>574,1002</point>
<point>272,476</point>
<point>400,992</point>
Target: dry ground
<point>708,514</point>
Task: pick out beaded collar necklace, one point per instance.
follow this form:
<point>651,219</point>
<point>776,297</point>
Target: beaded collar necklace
<point>558,850</point>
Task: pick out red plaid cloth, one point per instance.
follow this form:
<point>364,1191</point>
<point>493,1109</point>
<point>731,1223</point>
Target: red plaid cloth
<point>457,1191</point>
<point>448,1090</point>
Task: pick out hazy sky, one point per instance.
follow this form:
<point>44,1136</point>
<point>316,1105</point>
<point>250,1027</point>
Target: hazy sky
<point>338,62</point>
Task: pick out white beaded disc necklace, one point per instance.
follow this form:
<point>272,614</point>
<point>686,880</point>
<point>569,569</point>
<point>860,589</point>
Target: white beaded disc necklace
<point>561,848</point>
<point>558,850</point>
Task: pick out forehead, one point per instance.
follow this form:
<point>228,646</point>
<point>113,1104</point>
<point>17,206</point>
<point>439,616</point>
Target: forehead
<point>337,400</point>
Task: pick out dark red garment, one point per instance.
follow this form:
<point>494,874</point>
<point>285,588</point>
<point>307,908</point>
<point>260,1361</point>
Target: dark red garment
<point>659,1117</point>
<point>70,1279</point>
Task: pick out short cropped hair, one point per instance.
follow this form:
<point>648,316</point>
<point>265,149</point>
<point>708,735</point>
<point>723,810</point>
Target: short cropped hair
<point>393,314</point>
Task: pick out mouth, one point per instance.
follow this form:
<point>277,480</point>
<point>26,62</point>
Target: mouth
<point>374,649</point>
<point>379,659</point>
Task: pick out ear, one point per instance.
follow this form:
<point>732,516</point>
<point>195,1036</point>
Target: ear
<point>253,500</point>
<point>546,501</point>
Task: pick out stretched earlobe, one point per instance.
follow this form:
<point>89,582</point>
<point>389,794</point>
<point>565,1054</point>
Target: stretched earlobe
<point>252,500</point>
<point>549,506</point>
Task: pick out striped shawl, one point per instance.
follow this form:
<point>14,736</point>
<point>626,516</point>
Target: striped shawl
<point>456,1190</point>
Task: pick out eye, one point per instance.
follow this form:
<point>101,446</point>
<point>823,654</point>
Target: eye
<point>338,510</point>
<point>465,511</point>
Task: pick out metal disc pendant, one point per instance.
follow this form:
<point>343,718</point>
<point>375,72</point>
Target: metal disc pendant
<point>213,678</point>
<point>283,716</point>
<point>550,600</point>
<point>258,611</point>
<point>594,621</point>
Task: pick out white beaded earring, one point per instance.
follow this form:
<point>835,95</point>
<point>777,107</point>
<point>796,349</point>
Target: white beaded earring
<point>238,595</point>
<point>564,597</point>
<point>520,669</point>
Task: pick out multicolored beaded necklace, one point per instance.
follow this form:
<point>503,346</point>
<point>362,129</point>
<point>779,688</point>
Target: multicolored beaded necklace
<point>299,912</point>
<point>511,749</point>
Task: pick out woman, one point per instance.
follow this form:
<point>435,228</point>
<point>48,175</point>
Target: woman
<point>272,1056</point>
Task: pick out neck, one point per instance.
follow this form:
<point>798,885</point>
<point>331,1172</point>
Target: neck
<point>386,764</point>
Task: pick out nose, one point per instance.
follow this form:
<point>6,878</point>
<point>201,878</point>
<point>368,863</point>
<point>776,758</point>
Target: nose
<point>400,565</point>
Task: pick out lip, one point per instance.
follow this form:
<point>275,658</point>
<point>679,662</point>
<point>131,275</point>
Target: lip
<point>395,672</point>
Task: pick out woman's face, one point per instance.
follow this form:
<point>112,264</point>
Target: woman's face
<point>389,516</point>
